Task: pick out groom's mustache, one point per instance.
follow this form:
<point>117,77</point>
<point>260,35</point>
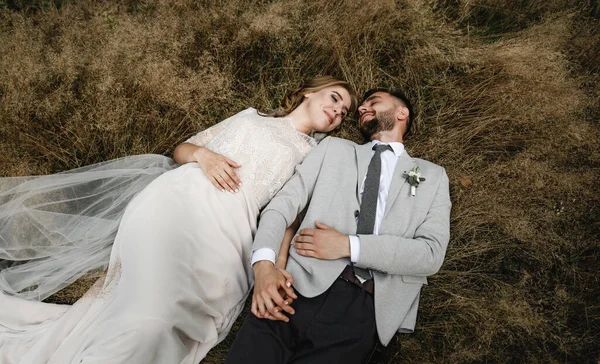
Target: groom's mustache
<point>382,121</point>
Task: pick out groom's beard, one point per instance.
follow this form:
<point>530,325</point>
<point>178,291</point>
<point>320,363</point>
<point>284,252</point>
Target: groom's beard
<point>383,122</point>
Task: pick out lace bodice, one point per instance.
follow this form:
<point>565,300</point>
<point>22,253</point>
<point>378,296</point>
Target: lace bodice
<point>267,148</point>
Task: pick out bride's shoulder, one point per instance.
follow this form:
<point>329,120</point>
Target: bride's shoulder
<point>244,115</point>
<point>253,114</point>
<point>247,112</point>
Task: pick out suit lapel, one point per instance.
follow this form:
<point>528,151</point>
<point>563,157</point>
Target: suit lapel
<point>363,157</point>
<point>404,164</point>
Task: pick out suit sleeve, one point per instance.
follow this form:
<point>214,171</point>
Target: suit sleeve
<point>422,255</point>
<point>283,209</point>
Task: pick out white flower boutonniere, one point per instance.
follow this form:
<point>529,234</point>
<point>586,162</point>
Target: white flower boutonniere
<point>414,178</point>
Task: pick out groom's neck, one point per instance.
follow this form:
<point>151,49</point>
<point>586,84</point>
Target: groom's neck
<point>388,136</point>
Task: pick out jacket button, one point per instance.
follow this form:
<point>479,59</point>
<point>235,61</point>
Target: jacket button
<point>356,213</point>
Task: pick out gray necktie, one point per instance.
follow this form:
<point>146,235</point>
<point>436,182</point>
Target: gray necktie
<point>368,205</point>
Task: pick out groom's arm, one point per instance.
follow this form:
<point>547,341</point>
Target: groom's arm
<point>279,214</point>
<point>284,208</point>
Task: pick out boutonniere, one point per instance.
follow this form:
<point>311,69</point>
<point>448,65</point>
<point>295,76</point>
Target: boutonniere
<point>414,178</point>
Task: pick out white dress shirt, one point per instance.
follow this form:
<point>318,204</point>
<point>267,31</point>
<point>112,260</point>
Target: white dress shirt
<point>388,164</point>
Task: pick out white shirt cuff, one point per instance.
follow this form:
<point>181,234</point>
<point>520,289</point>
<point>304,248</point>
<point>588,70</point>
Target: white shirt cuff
<point>263,254</point>
<point>354,248</point>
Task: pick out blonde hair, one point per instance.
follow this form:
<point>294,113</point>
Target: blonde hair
<point>294,98</point>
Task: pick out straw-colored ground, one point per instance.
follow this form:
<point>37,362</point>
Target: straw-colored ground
<point>508,101</point>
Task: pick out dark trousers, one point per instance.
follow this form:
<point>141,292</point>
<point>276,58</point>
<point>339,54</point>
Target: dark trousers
<point>337,326</point>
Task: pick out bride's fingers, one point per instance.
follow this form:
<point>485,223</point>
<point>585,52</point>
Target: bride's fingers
<point>234,177</point>
<point>232,163</point>
<point>289,282</point>
<point>222,184</point>
<point>226,174</point>
<point>289,279</point>
<point>268,316</point>
<point>287,300</point>
<point>216,183</point>
<point>224,181</point>
<point>289,291</point>
<point>274,308</point>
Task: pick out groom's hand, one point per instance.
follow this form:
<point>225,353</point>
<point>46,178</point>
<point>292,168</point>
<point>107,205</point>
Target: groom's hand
<point>324,242</point>
<point>267,301</point>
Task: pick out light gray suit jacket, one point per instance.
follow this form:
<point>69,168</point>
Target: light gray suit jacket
<point>412,239</point>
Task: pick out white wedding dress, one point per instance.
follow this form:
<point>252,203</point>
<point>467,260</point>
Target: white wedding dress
<point>179,269</point>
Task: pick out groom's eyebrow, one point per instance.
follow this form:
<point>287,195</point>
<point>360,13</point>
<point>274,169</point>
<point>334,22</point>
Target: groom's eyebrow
<point>337,93</point>
<point>371,98</point>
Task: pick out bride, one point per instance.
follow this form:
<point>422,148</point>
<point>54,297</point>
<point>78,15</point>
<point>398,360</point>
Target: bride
<point>179,269</point>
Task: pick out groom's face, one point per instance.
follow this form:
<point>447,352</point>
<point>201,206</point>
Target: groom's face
<point>377,113</point>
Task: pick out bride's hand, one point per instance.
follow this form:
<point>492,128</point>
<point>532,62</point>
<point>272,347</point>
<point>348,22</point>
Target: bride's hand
<point>267,299</point>
<point>288,300</point>
<point>219,169</point>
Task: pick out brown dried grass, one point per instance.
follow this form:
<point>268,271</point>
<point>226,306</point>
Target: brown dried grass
<point>507,97</point>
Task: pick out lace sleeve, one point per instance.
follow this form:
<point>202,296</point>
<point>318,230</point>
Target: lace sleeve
<point>205,136</point>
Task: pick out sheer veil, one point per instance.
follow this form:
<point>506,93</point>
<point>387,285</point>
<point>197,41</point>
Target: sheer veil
<point>55,228</point>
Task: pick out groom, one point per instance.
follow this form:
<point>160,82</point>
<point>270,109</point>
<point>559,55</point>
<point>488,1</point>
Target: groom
<point>372,233</point>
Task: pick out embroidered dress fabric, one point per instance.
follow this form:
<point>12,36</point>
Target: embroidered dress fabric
<point>179,268</point>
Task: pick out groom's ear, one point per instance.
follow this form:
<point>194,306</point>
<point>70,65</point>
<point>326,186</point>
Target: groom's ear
<point>402,112</point>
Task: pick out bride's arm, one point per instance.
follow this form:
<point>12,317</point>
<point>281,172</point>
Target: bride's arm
<point>217,168</point>
<point>284,250</point>
<point>186,153</point>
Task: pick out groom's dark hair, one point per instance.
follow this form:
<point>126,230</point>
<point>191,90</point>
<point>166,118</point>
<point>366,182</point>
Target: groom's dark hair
<point>402,98</point>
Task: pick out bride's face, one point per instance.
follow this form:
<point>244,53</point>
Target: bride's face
<point>327,107</point>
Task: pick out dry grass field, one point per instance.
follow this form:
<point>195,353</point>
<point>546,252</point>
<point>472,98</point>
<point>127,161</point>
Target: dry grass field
<point>508,100</point>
